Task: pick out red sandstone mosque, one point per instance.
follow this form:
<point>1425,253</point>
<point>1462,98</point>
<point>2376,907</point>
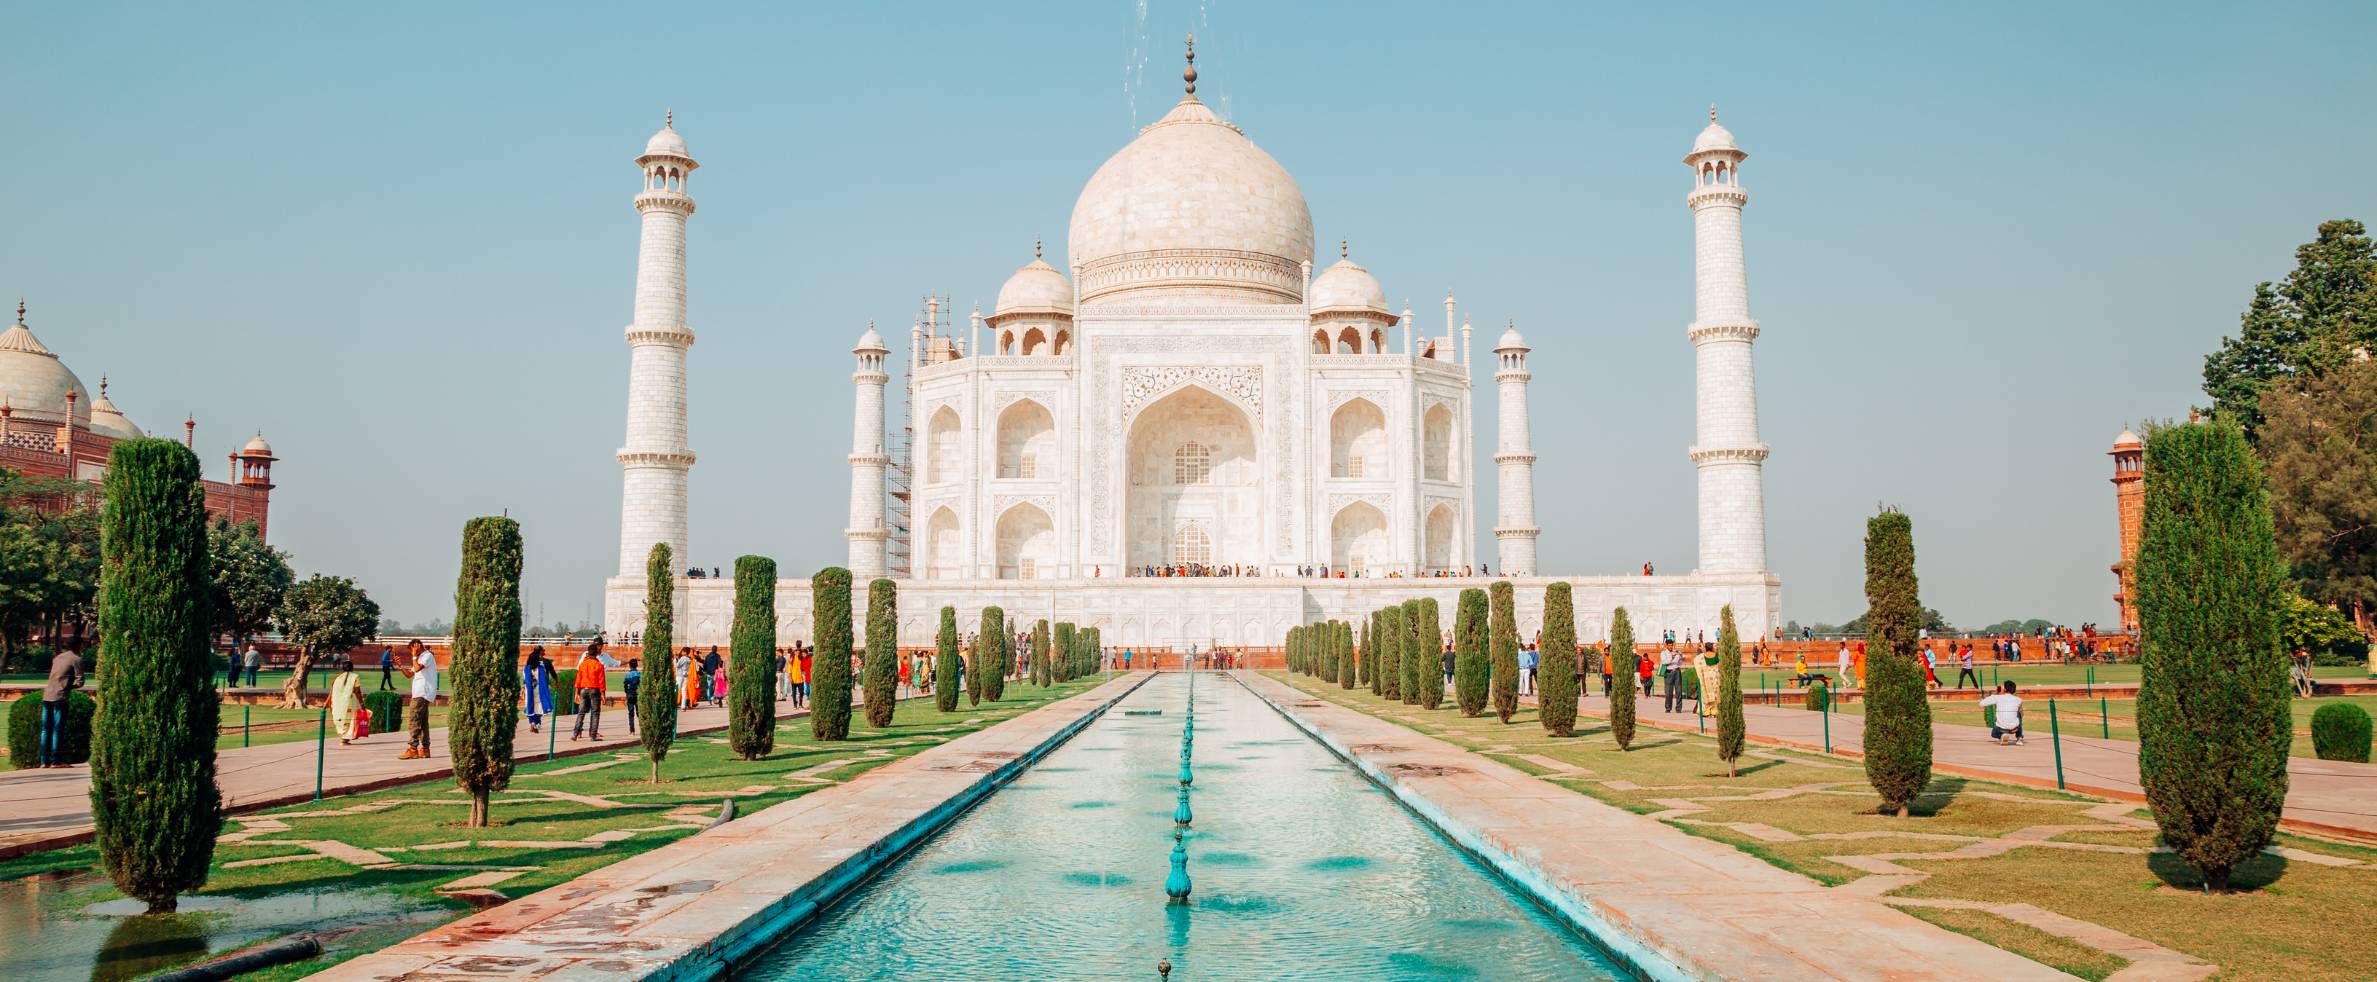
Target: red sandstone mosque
<point>51,426</point>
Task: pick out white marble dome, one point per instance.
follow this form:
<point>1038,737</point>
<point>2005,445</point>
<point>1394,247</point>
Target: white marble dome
<point>107,420</point>
<point>1715,137</point>
<point>1037,288</point>
<point>34,382</point>
<point>257,446</point>
<point>1346,286</point>
<point>666,143</point>
<point>1192,208</point>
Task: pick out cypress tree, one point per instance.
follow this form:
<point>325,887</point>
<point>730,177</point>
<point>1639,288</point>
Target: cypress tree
<point>2214,725</point>
<point>656,701</point>
<point>153,796</point>
<point>1370,655</point>
<point>992,654</point>
<point>1390,652</point>
<point>1092,647</point>
<point>1502,646</point>
<point>1290,646</point>
<point>829,668</point>
<point>973,662</point>
<point>1419,663</point>
<point>1329,652</point>
<point>1431,637</point>
<point>946,664</point>
<point>1731,728</point>
<point>1555,666</point>
<point>1897,717</point>
<point>880,680</point>
<point>1064,654</point>
<point>1471,667</point>
<point>1349,657</point>
<point>1047,661</point>
<point>751,689</point>
<point>1621,694</point>
<point>485,707</point>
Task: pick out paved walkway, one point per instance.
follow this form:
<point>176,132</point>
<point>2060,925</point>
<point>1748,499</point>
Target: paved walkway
<point>2321,795</point>
<point>51,808</point>
<point>1711,909</point>
<point>691,908</point>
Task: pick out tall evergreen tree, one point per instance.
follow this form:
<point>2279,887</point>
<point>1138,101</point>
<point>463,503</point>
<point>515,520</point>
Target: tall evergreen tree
<point>1472,668</point>
<point>829,668</point>
<point>656,701</point>
<point>1622,657</point>
<point>1329,652</point>
<point>2214,725</point>
<point>1064,656</point>
<point>1555,668</point>
<point>2300,328</point>
<point>1289,645</point>
<point>1370,677</point>
<point>1390,652</point>
<point>1349,657</point>
<point>1502,645</point>
<point>1432,651</point>
<point>881,678</point>
<point>1731,728</point>
<point>485,709</point>
<point>991,654</point>
<point>1093,646</point>
<point>153,800</point>
<point>751,688</point>
<point>1897,717</point>
<point>946,664</point>
<point>1419,663</point>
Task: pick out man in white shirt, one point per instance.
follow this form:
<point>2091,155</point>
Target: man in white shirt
<point>423,672</point>
<point>2005,715</point>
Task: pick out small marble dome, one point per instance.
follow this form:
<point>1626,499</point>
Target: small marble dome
<point>1346,286</point>
<point>2128,440</point>
<point>107,420</point>
<point>256,447</point>
<point>1510,340</point>
<point>1037,288</point>
<point>1715,137</point>
<point>666,143</point>
<point>1192,206</point>
<point>33,381</point>
<point>870,341</point>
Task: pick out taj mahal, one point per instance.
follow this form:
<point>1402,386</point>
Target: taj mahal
<point>1190,396</point>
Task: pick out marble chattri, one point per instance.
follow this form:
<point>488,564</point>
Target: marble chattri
<point>1184,390</point>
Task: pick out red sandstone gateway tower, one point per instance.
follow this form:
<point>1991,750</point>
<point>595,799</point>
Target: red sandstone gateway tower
<point>2129,501</point>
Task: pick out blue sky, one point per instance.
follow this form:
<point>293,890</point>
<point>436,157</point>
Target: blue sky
<point>398,239</point>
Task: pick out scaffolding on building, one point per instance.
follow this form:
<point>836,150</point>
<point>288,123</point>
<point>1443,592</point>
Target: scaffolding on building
<point>900,550</point>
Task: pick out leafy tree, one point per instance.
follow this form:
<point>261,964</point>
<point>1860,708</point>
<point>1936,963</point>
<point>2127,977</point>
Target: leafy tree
<point>1731,728</point>
<point>656,700</point>
<point>829,670</point>
<point>2319,440</point>
<point>1472,667</point>
<point>153,798</point>
<point>991,654</point>
<point>882,677</point>
<point>485,707</point>
<point>946,664</point>
<point>2317,628</point>
<point>1897,719</point>
<point>49,557</point>
<point>1502,646</point>
<point>249,580</point>
<point>1555,669</point>
<point>751,690</point>
<point>2213,722</point>
<point>2318,319</point>
<point>324,615</point>
<point>1622,657</point>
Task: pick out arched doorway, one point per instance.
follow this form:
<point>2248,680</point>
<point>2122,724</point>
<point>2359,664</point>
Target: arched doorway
<point>943,546</point>
<point>1026,435</point>
<point>1358,538</point>
<point>1191,460</point>
<point>1439,538</point>
<point>1358,441</point>
<point>1027,543</point>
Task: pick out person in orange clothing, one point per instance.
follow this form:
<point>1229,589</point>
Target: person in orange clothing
<point>1857,656</point>
<point>589,687</point>
<point>1607,677</point>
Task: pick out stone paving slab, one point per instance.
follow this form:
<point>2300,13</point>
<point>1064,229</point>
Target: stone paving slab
<point>693,908</point>
<point>1703,908</point>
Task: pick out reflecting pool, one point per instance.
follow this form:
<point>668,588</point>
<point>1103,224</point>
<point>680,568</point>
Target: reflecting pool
<point>1301,868</point>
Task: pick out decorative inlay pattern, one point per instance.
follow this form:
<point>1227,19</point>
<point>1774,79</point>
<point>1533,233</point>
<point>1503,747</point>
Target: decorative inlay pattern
<point>1753,455</point>
<point>1339,397</point>
<point>1045,502</point>
<point>1009,397</point>
<point>1242,384</point>
<point>1376,499</point>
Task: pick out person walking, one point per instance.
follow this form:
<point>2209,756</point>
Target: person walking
<point>346,704</point>
<point>1842,667</point>
<point>66,675</point>
<point>1964,667</point>
<point>231,667</point>
<point>1446,657</point>
<point>1931,667</point>
<point>712,667</point>
<point>590,686</point>
<point>688,678</point>
<point>1671,679</point>
<point>1645,666</point>
<point>800,675</point>
<point>387,668</point>
<point>423,672</point>
<point>536,688</point>
<point>1527,657</point>
<point>1608,678</point>
<point>633,680</point>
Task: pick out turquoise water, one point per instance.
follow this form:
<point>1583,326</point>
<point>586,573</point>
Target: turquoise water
<point>1301,869</point>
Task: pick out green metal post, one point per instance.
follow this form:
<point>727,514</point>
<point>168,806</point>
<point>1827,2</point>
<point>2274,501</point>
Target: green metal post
<point>2103,717</point>
<point>321,749</point>
<point>551,733</point>
<point>1827,722</point>
<point>2055,736</point>
<point>247,715</point>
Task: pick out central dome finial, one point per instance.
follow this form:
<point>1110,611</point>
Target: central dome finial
<point>1190,76</point>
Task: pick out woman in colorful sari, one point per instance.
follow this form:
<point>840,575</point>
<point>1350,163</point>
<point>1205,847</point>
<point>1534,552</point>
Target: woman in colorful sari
<point>346,703</point>
<point>536,683</point>
<point>689,679</point>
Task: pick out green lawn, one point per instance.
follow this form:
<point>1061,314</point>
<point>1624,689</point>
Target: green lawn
<point>550,838</point>
<point>2110,718</point>
<point>1802,811</point>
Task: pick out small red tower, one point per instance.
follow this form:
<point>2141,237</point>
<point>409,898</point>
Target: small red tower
<point>251,470</point>
<point>2129,501</point>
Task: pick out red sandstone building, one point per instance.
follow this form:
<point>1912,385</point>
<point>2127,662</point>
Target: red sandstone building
<point>50,426</point>
<point>2129,501</point>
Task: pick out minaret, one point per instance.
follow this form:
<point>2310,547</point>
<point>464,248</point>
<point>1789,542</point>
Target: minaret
<point>1448,325</point>
<point>1514,518</point>
<point>2129,502</point>
<point>867,461</point>
<point>1727,452</point>
<point>657,454</point>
